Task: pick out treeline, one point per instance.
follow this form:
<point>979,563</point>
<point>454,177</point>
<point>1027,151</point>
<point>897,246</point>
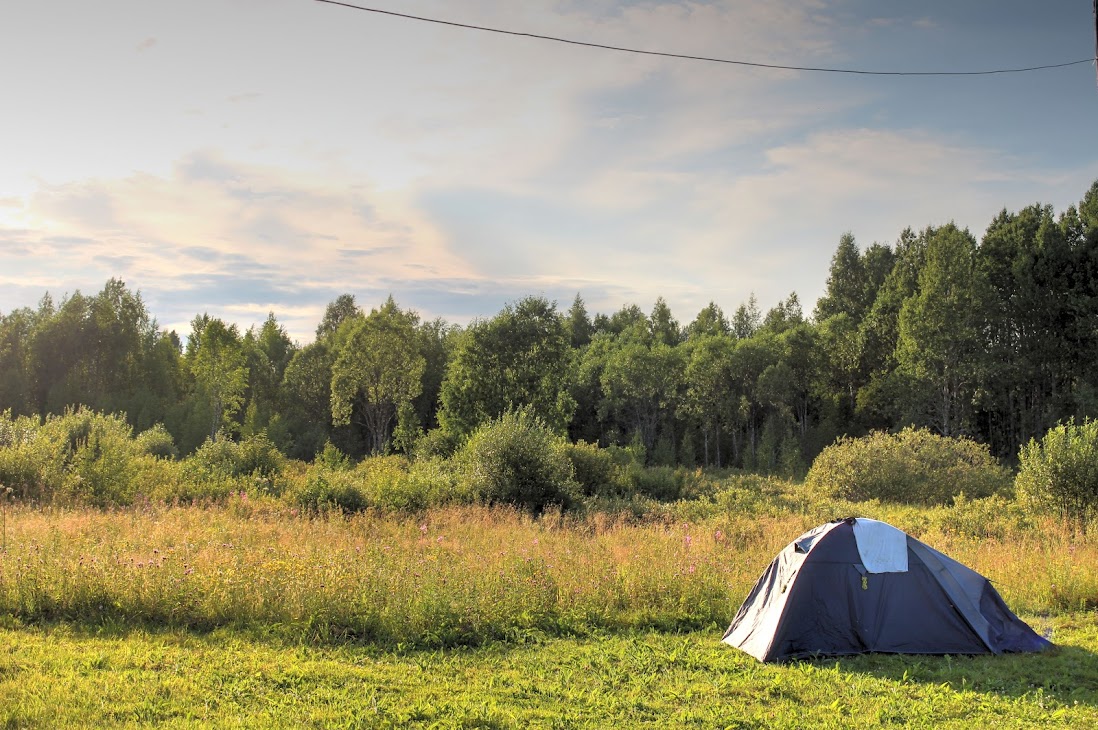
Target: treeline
<point>992,339</point>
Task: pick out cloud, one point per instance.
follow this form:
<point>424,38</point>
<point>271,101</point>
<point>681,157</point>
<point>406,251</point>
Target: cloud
<point>249,166</point>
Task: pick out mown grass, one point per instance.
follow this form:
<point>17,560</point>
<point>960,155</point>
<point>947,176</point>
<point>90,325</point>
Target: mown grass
<point>63,676</point>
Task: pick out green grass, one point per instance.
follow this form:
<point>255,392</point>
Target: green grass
<point>59,675</point>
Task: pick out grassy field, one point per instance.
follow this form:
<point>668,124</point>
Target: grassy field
<point>60,675</point>
<point>250,613</point>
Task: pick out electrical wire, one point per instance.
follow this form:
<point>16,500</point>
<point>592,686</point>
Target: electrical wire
<point>816,69</point>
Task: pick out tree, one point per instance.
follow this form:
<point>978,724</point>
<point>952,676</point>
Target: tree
<point>846,288</point>
<point>336,313</point>
<point>378,372</point>
<point>578,324</point>
<point>520,358</point>
<point>437,341</point>
<point>709,394</point>
<point>664,327</point>
<point>747,319</point>
<point>940,328</point>
<point>641,385</point>
<point>16,372</point>
<point>710,321</point>
<point>784,315</point>
<point>217,361</point>
<point>629,319</point>
<point>268,351</point>
<point>840,355</point>
<point>306,396</point>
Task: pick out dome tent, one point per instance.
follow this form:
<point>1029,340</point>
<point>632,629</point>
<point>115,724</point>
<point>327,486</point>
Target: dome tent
<point>858,585</point>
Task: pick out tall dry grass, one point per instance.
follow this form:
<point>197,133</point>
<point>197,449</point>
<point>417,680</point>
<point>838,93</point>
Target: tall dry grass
<point>459,575</point>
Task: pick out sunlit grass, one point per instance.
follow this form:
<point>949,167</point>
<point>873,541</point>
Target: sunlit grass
<point>57,675</point>
<point>458,575</point>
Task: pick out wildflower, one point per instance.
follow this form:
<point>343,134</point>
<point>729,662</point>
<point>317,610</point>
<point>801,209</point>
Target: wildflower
<point>691,569</point>
<point>439,539</point>
<point>686,540</point>
<point>423,529</point>
<point>718,536</point>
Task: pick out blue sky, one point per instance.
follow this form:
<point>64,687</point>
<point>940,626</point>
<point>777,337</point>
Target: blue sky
<point>245,156</point>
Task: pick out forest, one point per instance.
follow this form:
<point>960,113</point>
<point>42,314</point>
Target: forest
<point>992,339</point>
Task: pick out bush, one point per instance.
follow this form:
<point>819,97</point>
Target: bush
<point>82,455</point>
<point>436,444</point>
<point>223,457</point>
<point>157,442</point>
<point>593,467</point>
<point>324,488</point>
<point>661,483</point>
<point>332,458</point>
<point>913,466</point>
<point>1060,473</point>
<point>517,460</point>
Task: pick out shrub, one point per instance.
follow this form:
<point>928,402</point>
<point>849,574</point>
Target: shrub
<point>593,467</point>
<point>223,457</point>
<point>656,482</point>
<point>257,455</point>
<point>157,442</point>
<point>332,458</point>
<point>1059,473</point>
<point>913,466</point>
<point>517,460</point>
<point>324,488</point>
<point>992,517</point>
<point>437,443</point>
<point>81,455</point>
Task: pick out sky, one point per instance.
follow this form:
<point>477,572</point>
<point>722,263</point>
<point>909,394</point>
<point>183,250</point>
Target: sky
<point>241,157</point>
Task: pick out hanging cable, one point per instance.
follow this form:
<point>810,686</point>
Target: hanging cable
<point>816,69</point>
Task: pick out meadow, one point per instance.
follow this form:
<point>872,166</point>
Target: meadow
<point>249,611</point>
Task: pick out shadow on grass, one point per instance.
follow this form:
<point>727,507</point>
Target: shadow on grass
<point>1067,674</point>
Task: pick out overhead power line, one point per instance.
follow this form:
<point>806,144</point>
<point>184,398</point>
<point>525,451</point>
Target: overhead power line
<point>708,59</point>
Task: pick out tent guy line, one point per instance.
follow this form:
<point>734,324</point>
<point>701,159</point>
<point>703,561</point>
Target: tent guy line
<point>708,59</point>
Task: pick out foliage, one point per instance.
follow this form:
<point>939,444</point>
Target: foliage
<point>437,443</point>
<point>1060,472</point>
<point>521,358</point>
<point>217,362</point>
<point>81,455</point>
<point>594,468</point>
<point>939,337</point>
<point>377,373</point>
<point>158,442</point>
<point>913,466</point>
<point>517,460</point>
<point>992,339</point>
<point>253,455</point>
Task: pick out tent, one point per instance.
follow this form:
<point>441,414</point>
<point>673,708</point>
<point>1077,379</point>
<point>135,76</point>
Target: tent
<point>859,585</point>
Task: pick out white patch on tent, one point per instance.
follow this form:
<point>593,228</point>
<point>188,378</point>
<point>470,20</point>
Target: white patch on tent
<point>882,547</point>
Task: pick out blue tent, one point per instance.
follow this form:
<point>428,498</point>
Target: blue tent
<point>859,585</point>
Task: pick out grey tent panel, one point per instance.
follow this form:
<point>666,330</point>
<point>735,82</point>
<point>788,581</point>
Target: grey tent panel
<point>816,598</point>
